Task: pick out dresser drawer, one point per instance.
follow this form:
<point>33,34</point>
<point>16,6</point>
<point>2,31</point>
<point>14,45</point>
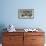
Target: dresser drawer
<point>37,39</point>
<point>34,33</point>
<point>37,44</point>
<point>13,33</point>
<point>13,44</point>
<point>12,39</point>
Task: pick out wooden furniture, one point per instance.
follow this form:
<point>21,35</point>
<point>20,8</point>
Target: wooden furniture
<point>23,39</point>
<point>34,39</point>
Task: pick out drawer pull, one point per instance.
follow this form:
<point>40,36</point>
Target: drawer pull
<point>33,39</point>
<point>10,39</point>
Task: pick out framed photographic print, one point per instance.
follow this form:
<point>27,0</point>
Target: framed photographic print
<point>25,13</point>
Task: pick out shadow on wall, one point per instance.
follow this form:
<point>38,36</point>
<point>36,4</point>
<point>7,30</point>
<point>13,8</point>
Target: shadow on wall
<point>2,26</point>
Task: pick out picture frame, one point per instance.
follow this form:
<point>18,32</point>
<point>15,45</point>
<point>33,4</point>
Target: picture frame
<point>26,13</point>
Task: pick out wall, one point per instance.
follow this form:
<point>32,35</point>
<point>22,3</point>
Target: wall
<point>9,13</point>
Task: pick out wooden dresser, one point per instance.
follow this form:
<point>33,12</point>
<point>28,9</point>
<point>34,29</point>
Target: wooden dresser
<point>23,39</point>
